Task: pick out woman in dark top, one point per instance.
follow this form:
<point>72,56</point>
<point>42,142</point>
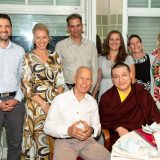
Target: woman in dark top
<point>143,62</point>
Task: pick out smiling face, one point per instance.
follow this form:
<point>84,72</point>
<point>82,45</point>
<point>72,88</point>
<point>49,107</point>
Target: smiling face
<point>121,78</point>
<point>75,28</point>
<point>135,45</point>
<point>83,80</point>
<point>5,29</point>
<point>41,39</point>
<point>114,42</point>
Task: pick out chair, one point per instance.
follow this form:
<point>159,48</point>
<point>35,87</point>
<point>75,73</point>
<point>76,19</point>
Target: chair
<point>106,135</point>
<point>51,146</point>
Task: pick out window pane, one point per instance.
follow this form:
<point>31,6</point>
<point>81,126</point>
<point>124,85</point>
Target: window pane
<point>105,31</point>
<point>40,2</point>
<point>147,28</point>
<point>23,24</point>
<point>12,1</point>
<point>98,19</point>
<point>155,3</point>
<point>104,20</point>
<point>99,30</point>
<point>113,19</point>
<point>119,19</point>
<point>68,2</point>
<point>137,3</point>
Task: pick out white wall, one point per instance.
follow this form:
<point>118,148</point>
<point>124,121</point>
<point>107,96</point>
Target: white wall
<point>109,6</point>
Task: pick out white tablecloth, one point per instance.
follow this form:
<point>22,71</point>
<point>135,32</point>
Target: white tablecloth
<point>151,152</point>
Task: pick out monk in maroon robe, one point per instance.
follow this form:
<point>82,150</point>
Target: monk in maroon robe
<point>126,107</point>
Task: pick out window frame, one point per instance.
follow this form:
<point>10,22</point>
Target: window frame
<point>86,9</point>
<point>136,12</point>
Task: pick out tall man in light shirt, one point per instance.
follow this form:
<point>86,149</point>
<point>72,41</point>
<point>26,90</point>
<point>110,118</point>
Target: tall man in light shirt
<point>11,108</point>
<point>77,51</point>
<point>73,120</point>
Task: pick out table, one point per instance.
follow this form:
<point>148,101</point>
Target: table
<point>150,152</point>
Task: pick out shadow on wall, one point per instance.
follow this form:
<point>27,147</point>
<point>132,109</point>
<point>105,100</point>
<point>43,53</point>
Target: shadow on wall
<point>28,45</point>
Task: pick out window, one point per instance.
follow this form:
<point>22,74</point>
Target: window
<point>147,28</point>
<point>43,2</point>
<point>23,35</point>
<point>142,17</point>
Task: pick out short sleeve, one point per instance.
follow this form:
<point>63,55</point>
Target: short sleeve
<point>129,60</point>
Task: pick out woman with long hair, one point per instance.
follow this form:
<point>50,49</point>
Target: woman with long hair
<point>114,51</point>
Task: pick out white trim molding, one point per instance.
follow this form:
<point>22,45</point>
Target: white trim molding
<point>40,9</point>
<point>144,12</point>
<point>125,21</point>
<point>91,19</point>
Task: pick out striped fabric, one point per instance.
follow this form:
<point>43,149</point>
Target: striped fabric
<point>11,68</point>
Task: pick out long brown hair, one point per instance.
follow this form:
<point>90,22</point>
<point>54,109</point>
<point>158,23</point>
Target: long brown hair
<point>122,54</point>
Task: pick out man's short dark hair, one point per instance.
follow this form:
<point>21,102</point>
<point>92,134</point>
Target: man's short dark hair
<point>118,65</point>
<point>73,16</point>
<point>5,16</point>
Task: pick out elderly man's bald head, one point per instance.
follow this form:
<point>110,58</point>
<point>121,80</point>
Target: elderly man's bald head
<point>83,79</point>
<point>83,68</point>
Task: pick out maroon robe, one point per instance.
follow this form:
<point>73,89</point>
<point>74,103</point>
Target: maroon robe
<point>136,110</point>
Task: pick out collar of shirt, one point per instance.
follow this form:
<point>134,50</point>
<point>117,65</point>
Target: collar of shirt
<point>123,95</point>
<point>74,97</point>
<point>70,41</point>
<point>9,45</point>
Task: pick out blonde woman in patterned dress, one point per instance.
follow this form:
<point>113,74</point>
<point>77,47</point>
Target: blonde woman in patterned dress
<point>42,80</point>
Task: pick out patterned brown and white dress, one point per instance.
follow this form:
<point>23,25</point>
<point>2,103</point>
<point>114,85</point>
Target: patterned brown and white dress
<point>42,79</point>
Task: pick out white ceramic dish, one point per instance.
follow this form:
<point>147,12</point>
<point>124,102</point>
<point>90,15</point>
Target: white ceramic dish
<point>122,152</point>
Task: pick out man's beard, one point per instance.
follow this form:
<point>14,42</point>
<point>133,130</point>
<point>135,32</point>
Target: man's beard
<point>4,38</point>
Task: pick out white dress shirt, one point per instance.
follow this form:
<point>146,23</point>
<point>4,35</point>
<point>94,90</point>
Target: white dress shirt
<point>66,110</point>
<point>11,59</point>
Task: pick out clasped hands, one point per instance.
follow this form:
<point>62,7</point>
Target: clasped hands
<point>81,133</point>
<point>8,105</point>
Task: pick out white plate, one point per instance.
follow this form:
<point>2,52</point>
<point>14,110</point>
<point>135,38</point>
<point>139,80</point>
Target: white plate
<point>122,152</point>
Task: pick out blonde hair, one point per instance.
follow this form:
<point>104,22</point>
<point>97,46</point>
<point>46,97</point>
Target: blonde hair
<point>40,26</point>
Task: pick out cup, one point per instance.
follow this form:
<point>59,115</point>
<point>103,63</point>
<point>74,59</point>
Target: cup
<point>156,135</point>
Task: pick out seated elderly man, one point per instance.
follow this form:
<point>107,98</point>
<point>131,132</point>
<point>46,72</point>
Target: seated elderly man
<point>126,106</point>
<point>73,120</point>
